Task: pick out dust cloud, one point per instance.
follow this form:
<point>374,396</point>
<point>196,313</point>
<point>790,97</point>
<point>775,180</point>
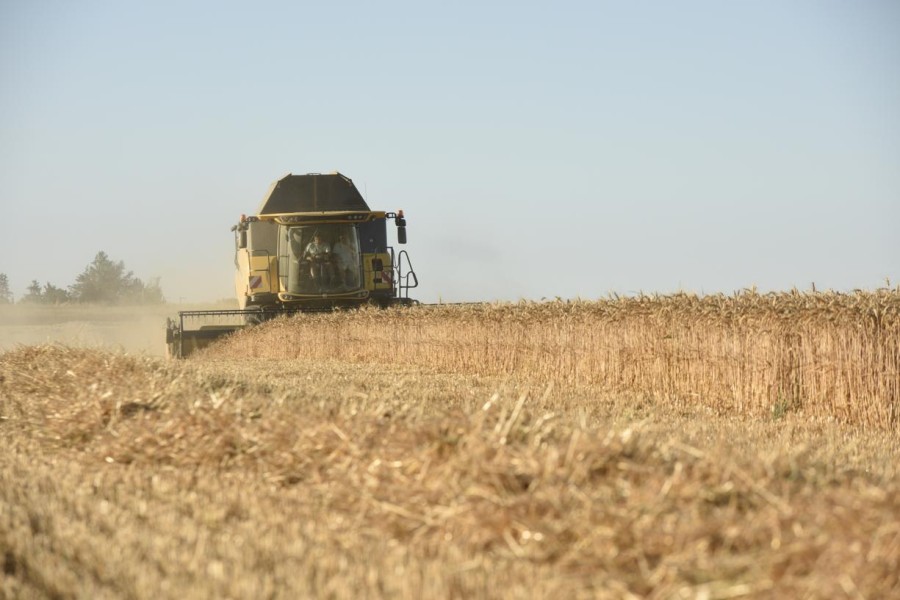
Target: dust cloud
<point>139,330</point>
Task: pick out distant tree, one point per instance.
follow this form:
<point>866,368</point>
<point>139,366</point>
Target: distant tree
<point>105,281</point>
<point>49,294</point>
<point>152,292</point>
<point>54,295</point>
<point>34,294</point>
<point>6,296</point>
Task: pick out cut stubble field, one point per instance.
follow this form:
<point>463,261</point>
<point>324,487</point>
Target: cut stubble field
<point>648,447</point>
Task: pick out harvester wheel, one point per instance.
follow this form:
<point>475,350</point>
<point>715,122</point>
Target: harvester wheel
<point>255,318</point>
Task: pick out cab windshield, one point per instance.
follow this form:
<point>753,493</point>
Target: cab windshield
<point>319,259</point>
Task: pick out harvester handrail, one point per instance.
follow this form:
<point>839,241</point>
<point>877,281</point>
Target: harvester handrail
<point>403,283</point>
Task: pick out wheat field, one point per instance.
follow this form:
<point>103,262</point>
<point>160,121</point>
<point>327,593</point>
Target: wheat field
<point>650,447</point>
<point>828,355</point>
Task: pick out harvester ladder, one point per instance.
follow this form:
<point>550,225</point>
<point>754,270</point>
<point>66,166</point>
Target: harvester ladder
<point>406,277</point>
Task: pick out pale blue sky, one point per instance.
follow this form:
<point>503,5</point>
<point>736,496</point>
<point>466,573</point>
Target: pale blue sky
<point>539,150</point>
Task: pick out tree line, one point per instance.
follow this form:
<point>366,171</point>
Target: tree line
<point>103,281</point>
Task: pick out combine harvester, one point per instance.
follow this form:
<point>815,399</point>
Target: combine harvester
<point>313,245</point>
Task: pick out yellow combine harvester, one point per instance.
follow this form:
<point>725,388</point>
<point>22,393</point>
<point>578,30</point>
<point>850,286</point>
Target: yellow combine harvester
<point>313,245</point>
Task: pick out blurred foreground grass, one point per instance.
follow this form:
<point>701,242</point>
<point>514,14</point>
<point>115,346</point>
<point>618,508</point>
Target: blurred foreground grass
<point>142,478</point>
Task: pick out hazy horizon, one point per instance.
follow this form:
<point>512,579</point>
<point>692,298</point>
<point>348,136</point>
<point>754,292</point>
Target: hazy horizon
<point>572,150</point>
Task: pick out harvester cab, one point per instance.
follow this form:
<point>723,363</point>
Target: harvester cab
<point>313,245</point>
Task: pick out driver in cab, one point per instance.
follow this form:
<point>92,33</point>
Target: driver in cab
<point>318,253</point>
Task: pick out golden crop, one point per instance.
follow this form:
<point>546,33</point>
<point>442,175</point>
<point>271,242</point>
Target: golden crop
<point>826,354</point>
<point>649,447</point>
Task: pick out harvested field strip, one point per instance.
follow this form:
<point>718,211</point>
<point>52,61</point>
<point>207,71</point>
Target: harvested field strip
<point>824,354</point>
<point>139,478</point>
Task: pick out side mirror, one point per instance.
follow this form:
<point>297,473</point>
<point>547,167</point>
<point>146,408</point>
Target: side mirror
<point>401,234</point>
<point>242,238</point>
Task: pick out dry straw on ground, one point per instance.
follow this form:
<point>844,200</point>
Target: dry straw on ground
<point>354,477</point>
